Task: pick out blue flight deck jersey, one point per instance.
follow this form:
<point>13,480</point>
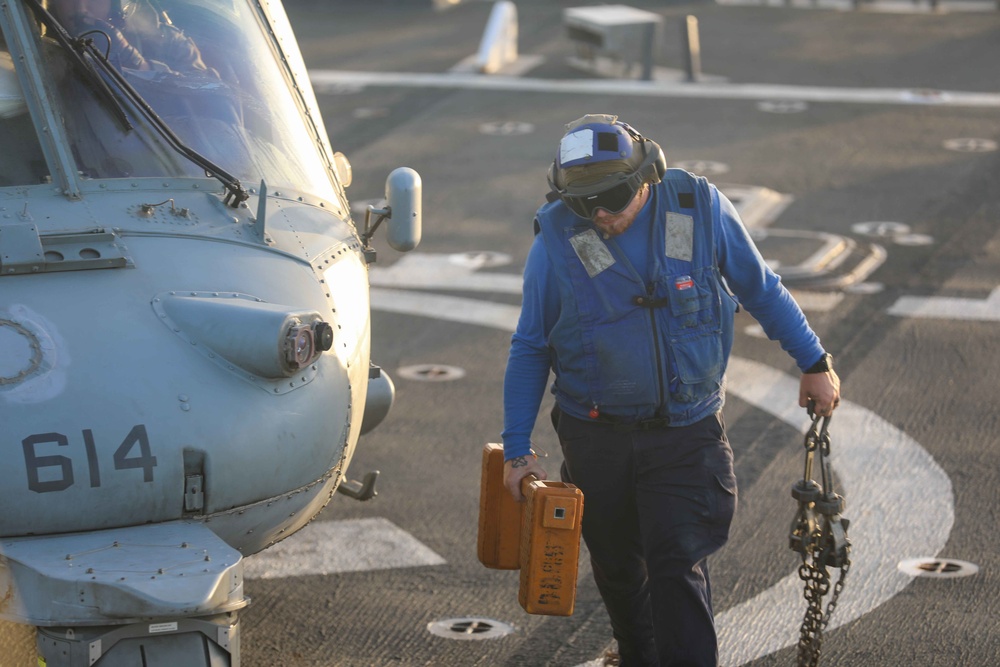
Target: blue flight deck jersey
<point>578,312</point>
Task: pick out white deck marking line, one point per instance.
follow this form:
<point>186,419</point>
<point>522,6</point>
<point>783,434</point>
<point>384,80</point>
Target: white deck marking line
<point>878,6</point>
<point>950,308</point>
<point>881,470</point>
<point>437,271</point>
<point>418,270</point>
<point>332,80</point>
<point>817,301</point>
<point>332,547</point>
<point>449,308</point>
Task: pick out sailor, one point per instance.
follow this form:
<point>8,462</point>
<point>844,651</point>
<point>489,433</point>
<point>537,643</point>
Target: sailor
<point>630,289</point>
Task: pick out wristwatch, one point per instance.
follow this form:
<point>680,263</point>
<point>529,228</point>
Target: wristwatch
<point>824,365</point>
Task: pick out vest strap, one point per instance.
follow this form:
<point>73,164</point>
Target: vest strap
<point>648,302</point>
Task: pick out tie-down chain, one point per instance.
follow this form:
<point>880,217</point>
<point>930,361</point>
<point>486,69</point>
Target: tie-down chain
<point>819,535</point>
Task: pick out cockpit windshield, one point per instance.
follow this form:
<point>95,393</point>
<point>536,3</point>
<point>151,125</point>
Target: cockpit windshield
<point>207,68</point>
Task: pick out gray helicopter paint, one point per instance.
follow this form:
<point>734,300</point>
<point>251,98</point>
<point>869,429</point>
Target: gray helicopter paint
<point>164,264</point>
<point>168,569</point>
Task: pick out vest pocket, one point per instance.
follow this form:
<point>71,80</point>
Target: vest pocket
<point>623,363</point>
<point>687,296</point>
<point>691,302</point>
<point>698,358</point>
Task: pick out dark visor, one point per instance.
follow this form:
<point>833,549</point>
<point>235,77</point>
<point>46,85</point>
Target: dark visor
<point>613,200</point>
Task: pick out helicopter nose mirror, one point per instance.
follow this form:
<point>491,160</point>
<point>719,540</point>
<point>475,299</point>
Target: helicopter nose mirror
<point>343,168</point>
<point>404,194</point>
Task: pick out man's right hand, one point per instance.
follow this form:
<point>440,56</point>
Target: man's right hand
<point>517,469</point>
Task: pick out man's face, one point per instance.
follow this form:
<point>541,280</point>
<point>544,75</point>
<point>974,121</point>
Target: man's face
<point>65,10</point>
<point>613,224</point>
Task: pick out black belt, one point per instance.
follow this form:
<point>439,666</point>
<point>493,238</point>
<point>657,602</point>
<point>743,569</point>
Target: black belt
<point>622,424</point>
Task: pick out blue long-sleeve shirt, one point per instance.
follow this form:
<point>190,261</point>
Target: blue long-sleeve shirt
<point>758,289</point>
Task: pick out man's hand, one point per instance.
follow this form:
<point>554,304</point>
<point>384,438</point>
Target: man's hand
<point>823,389</point>
<point>118,46</point>
<point>517,469</point>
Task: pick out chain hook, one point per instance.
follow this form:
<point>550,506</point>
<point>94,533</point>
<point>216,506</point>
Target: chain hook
<point>818,435</point>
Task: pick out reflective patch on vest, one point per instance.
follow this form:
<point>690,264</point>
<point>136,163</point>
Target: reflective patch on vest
<point>592,252</point>
<point>680,237</point>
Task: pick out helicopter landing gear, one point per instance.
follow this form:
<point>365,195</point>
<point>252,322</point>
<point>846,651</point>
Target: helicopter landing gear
<point>193,642</point>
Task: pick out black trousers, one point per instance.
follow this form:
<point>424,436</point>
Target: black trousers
<point>657,503</point>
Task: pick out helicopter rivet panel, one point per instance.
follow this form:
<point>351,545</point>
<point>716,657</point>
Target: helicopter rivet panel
<point>20,249</point>
<point>305,229</point>
<point>165,212</point>
<point>345,277</point>
<point>176,568</point>
<point>180,184</point>
<point>250,528</point>
<point>273,346</point>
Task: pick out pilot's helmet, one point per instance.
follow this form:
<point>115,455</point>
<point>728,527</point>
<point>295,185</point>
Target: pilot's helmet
<point>602,163</point>
<point>118,10</point>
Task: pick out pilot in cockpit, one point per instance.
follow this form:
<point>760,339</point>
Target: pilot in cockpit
<point>163,68</point>
<point>137,37</point>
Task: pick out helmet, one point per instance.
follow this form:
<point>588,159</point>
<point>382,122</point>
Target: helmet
<point>119,11</point>
<point>601,163</point>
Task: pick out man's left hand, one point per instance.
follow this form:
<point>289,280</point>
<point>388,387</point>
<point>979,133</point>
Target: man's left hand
<point>823,389</point>
<point>517,469</point>
<point>118,45</point>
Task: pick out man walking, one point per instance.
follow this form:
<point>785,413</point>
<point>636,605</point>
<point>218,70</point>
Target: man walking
<point>629,294</point>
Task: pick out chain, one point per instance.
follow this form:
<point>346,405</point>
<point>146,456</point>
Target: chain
<point>819,534</point>
<point>817,585</point>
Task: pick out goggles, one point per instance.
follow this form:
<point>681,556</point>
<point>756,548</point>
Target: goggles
<point>614,200</point>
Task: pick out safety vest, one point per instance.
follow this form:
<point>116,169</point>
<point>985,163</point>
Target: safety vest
<point>641,347</point>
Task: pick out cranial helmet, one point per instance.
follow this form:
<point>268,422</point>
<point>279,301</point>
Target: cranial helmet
<point>601,163</point>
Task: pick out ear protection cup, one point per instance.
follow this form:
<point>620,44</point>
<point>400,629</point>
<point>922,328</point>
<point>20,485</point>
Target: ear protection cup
<point>553,178</point>
<point>655,159</point>
<point>649,149</point>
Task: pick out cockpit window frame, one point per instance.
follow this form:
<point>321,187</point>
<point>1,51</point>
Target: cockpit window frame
<point>24,46</point>
<point>274,21</point>
<point>287,69</point>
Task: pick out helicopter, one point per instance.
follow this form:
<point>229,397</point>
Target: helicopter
<point>185,324</point>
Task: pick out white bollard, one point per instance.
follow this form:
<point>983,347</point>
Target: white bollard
<point>499,44</point>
